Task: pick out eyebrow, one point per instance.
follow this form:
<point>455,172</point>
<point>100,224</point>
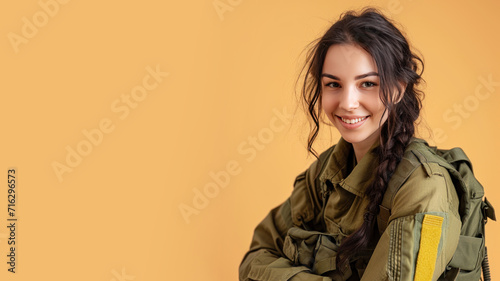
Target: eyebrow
<point>373,73</point>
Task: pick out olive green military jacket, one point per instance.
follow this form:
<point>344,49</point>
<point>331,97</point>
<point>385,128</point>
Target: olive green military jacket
<point>298,239</point>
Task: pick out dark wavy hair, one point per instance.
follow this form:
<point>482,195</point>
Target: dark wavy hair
<point>397,65</point>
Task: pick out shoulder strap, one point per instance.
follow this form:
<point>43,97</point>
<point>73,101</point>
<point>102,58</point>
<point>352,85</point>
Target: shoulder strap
<point>418,153</point>
<point>405,168</point>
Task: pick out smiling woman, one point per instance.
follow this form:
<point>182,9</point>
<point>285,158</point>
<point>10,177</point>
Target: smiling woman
<point>350,95</point>
<point>380,204</point>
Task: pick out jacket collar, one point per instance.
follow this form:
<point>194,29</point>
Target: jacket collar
<point>337,168</point>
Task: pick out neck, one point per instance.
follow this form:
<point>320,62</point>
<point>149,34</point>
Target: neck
<point>361,148</point>
<point>360,151</point>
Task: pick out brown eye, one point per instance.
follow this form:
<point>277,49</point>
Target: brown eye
<point>368,84</point>
<point>332,85</point>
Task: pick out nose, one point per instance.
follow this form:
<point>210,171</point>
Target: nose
<point>350,99</point>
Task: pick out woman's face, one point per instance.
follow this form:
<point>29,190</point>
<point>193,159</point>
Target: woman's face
<point>350,94</point>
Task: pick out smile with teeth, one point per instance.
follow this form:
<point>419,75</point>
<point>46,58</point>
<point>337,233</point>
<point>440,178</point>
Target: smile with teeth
<point>353,121</point>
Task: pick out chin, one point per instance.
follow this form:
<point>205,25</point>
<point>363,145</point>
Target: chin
<point>356,138</point>
<point>351,139</point>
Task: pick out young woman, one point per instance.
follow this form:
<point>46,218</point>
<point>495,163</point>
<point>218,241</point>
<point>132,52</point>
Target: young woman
<point>361,75</point>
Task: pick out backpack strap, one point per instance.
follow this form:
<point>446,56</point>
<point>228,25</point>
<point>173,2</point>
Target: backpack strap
<point>489,211</point>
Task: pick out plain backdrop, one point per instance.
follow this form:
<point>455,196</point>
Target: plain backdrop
<point>125,172</point>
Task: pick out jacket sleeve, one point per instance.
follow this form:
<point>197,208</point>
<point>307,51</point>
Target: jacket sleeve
<point>266,260</point>
<point>423,232</point>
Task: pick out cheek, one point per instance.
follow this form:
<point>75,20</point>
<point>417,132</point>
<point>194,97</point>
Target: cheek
<point>328,103</point>
<point>380,113</point>
<point>376,106</point>
<point>380,110</point>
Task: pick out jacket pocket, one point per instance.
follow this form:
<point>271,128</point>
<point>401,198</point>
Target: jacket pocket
<point>468,254</point>
<point>316,250</point>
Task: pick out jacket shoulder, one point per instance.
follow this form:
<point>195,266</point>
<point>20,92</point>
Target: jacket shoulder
<point>420,163</point>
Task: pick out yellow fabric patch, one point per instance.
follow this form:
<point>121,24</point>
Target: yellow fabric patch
<point>429,242</point>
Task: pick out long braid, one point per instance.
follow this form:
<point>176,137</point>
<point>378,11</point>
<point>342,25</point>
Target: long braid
<point>395,136</point>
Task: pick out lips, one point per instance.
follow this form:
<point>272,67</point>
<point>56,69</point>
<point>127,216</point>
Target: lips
<point>352,122</point>
<point>352,119</point>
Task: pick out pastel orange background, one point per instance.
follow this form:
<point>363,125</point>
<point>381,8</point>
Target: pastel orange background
<point>115,213</point>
